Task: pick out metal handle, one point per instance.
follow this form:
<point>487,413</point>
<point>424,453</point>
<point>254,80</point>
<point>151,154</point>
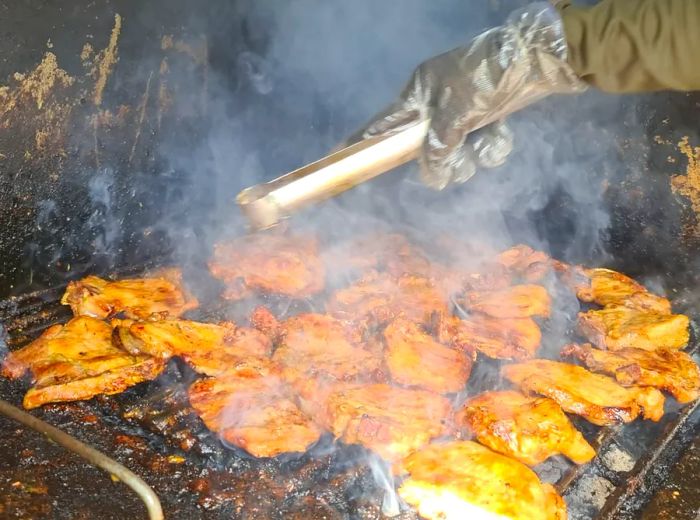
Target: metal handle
<point>145,493</point>
<point>265,205</point>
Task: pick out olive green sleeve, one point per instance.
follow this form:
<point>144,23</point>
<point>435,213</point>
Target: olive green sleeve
<point>635,45</point>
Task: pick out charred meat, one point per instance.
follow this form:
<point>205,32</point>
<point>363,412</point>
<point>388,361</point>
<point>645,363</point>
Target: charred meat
<point>389,253</point>
<point>525,263</point>
<point>269,263</point>
<point>78,361</point>
<point>610,288</point>
<point>515,338</point>
<point>416,359</point>
<point>597,398</point>
<point>671,370</point>
<point>462,479</point>
<point>250,407</point>
<point>158,297</point>
<point>519,301</point>
<point>390,421</point>
<point>109,382</point>
<point>528,429</point>
<point>206,347</point>
<point>317,351</point>
<point>615,328</point>
<point>378,299</point>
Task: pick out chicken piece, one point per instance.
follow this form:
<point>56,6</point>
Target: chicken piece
<point>206,347</point>
<point>455,248</point>
<point>390,421</point>
<point>415,359</point>
<point>611,288</point>
<point>379,299</point>
<point>468,255</point>
<point>80,348</point>
<point>249,407</point>
<point>489,277</point>
<point>671,370</point>
<point>460,480</point>
<point>525,263</point>
<point>470,263</point>
<point>317,352</point>
<point>263,320</point>
<point>598,399</point>
<point>519,301</point>
<point>159,297</point>
<point>390,253</point>
<point>515,338</point>
<point>269,263</point>
<point>77,361</point>
<point>528,429</point>
<point>614,328</point>
<point>109,382</point>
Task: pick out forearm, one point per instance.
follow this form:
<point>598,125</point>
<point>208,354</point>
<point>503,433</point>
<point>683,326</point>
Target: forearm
<point>635,45</point>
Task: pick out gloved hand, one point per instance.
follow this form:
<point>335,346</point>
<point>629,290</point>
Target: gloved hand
<point>467,93</point>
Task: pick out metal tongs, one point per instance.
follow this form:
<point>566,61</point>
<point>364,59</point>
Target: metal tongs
<point>266,205</point>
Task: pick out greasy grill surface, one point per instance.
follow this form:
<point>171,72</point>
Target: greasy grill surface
<point>152,430</point>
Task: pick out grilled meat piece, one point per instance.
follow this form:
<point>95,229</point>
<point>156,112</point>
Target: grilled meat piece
<point>519,301</point>
<point>525,263</point>
<point>80,348</point>
<point>416,359</point>
<point>458,249</point>
<point>614,328</point>
<point>109,382</point>
<point>489,277</point>
<point>610,288</point>
<point>263,320</point>
<point>269,263</point>
<point>390,421</point>
<point>515,338</point>
<point>468,266</point>
<point>461,479</point>
<point>206,347</point>
<point>378,299</point>
<point>317,352</point>
<point>528,429</point>
<point>598,399</point>
<point>249,407</point>
<point>158,297</point>
<point>671,370</point>
<point>77,361</point>
<point>390,253</point>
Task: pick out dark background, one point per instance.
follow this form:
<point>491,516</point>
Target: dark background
<point>252,89</point>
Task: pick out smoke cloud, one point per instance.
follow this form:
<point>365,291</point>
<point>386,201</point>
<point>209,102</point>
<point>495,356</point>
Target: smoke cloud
<point>307,73</point>
<point>289,81</point>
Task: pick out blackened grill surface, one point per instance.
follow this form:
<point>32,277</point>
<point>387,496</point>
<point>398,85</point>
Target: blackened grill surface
<point>152,430</point>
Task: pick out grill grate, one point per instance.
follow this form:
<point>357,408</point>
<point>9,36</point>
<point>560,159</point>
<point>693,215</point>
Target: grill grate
<point>632,461</point>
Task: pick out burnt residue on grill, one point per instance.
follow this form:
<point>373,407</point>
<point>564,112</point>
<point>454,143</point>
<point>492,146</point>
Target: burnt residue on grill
<point>204,480</point>
<point>680,498</point>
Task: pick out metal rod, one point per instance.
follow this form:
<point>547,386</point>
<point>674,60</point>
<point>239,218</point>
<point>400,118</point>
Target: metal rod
<point>96,458</point>
<point>265,205</point>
